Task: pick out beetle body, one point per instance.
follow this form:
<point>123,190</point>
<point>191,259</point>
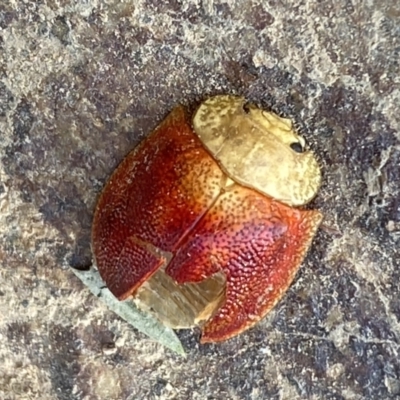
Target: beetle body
<point>174,210</point>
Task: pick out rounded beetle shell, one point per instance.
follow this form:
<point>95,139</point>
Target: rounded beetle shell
<point>171,205</point>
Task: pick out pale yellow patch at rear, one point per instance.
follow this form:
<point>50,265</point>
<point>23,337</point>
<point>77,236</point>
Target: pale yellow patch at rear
<point>253,147</point>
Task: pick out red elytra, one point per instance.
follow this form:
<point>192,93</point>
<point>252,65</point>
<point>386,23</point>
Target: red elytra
<point>169,203</point>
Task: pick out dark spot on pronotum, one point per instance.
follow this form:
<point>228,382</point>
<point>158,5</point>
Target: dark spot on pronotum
<point>246,107</point>
<point>297,147</point>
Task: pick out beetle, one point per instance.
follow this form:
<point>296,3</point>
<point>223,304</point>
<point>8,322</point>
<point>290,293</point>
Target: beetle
<point>203,222</point>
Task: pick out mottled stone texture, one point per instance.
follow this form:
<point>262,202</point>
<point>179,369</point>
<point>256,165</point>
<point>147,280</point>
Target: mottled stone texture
<point>81,82</point>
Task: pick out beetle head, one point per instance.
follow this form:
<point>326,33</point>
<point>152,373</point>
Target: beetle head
<point>258,149</point>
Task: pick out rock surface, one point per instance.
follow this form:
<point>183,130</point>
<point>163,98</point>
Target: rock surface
<point>82,82</point>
